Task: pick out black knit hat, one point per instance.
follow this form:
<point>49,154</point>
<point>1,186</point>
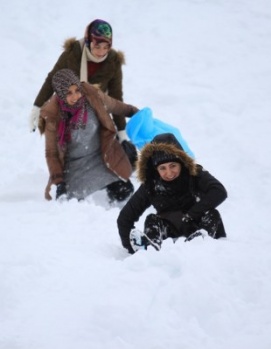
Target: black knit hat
<point>161,157</point>
<point>167,138</point>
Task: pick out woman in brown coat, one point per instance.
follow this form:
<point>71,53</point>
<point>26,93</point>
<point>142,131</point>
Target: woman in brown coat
<point>95,61</point>
<point>82,151</point>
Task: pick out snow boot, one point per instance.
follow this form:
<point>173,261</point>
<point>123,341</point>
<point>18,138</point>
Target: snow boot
<point>137,240</point>
<point>153,231</point>
<point>211,221</point>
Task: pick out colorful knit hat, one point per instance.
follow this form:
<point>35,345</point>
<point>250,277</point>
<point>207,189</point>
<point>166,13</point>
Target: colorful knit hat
<point>99,31</point>
<point>62,80</point>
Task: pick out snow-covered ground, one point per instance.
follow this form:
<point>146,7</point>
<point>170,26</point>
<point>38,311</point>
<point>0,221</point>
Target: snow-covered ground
<point>65,281</point>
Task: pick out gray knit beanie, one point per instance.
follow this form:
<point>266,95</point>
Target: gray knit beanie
<point>62,80</point>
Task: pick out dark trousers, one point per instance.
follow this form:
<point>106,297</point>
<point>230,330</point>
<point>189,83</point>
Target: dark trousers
<point>211,221</point>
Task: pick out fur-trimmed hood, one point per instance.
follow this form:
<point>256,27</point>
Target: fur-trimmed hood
<point>69,44</point>
<point>145,168</point>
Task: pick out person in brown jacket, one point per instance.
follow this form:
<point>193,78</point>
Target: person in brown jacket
<point>95,61</point>
<point>82,151</point>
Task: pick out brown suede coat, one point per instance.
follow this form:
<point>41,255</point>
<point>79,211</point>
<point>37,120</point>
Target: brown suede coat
<point>111,151</point>
<point>108,77</point>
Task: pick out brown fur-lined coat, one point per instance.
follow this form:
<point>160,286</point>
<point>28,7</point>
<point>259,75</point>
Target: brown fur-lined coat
<point>112,152</point>
<point>108,77</point>
<point>194,192</point>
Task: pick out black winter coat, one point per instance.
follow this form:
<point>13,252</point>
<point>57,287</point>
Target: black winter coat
<point>194,192</point>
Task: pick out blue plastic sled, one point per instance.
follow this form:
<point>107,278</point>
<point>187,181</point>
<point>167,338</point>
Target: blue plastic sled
<point>142,128</point>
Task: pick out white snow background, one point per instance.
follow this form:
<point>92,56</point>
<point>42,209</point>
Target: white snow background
<point>65,280</point>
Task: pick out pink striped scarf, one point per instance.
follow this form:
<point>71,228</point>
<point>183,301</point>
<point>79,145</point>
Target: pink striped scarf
<point>72,118</point>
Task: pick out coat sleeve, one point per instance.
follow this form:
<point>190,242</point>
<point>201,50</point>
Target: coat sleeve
<point>52,154</point>
<point>54,159</point>
<point>211,192</point>
<point>115,91</point>
<point>130,214</point>
<point>114,87</point>
<point>116,107</point>
<point>46,90</point>
<point>68,59</point>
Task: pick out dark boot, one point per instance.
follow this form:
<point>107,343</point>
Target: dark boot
<point>137,240</point>
<point>157,229</point>
<point>153,231</point>
<point>211,221</point>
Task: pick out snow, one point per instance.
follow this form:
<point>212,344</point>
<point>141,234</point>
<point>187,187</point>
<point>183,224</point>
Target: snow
<point>66,282</point>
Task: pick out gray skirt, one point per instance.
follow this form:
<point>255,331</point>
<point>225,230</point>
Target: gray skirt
<point>85,171</point>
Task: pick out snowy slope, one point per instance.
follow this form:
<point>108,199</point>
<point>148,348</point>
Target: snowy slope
<point>66,282</point>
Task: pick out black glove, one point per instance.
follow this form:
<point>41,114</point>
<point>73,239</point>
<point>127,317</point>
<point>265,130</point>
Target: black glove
<point>188,225</point>
<point>130,151</point>
<point>60,190</point>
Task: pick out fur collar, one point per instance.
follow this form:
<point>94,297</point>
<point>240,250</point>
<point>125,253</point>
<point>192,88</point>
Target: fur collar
<point>144,164</point>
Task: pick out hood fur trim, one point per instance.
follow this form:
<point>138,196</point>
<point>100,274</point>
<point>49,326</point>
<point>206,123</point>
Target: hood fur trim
<point>68,43</point>
<point>146,153</point>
